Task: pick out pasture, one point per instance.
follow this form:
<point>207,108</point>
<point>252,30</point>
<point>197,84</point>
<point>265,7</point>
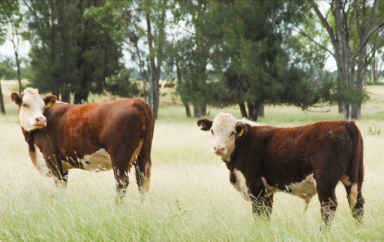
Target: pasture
<point>191,198</point>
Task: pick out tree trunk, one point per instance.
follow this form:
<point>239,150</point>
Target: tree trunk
<point>204,110</point>
<point>18,69</point>
<point>261,110</point>
<point>243,110</point>
<point>347,111</point>
<point>361,66</point>
<point>153,97</point>
<point>197,111</point>
<point>187,110</point>
<point>80,96</point>
<point>255,112</point>
<point>250,109</point>
<point>65,97</point>
<point>2,109</point>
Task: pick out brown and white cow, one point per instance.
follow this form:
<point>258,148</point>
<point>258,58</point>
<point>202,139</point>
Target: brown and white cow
<point>94,137</point>
<point>303,161</point>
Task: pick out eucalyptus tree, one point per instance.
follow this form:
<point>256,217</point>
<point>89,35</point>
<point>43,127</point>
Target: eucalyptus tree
<point>351,56</point>
<point>141,26</point>
<point>9,19</point>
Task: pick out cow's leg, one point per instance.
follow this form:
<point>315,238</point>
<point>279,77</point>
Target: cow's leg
<point>143,171</point>
<point>122,158</point>
<point>122,179</point>
<point>61,181</point>
<point>358,207</point>
<point>262,207</point>
<point>326,190</point>
<point>56,170</point>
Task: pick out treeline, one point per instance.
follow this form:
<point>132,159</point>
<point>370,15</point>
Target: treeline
<point>224,52</point>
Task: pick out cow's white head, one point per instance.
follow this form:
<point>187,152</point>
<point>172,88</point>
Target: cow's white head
<point>31,108</point>
<point>224,129</point>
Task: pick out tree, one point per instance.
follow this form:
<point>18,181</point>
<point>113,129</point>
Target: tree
<point>70,53</point>
<point>7,10</point>
<point>191,51</point>
<point>348,16</point>
<point>140,24</point>
<point>6,73</point>
<point>252,56</point>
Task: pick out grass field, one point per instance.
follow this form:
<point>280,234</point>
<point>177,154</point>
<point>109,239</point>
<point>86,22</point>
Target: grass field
<point>191,198</point>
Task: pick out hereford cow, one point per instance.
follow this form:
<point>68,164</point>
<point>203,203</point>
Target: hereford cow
<point>302,161</point>
<point>94,137</point>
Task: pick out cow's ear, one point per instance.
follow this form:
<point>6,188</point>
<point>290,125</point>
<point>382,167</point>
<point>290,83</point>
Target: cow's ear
<point>49,100</point>
<point>205,124</point>
<point>241,129</point>
<point>16,98</point>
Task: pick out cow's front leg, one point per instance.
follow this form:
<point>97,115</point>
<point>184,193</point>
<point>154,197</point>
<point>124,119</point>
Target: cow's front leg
<point>55,168</point>
<point>61,180</point>
<point>262,206</point>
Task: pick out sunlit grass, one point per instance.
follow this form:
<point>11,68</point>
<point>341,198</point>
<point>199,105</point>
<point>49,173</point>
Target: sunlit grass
<point>191,198</point>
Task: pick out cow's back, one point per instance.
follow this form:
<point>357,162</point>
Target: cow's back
<point>293,153</point>
<point>78,130</point>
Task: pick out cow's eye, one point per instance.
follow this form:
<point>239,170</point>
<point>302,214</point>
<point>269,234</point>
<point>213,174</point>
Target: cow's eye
<point>232,133</point>
<point>25,105</point>
<point>212,132</point>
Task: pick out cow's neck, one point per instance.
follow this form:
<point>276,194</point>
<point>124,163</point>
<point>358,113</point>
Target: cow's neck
<point>29,138</point>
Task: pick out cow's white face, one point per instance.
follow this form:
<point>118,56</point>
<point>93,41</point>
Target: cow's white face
<point>223,132</point>
<point>224,128</point>
<point>31,108</point>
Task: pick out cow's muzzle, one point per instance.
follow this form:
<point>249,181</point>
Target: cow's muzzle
<point>40,122</point>
<point>219,149</point>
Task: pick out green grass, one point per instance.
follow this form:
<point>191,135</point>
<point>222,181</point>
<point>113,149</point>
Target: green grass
<point>191,198</point>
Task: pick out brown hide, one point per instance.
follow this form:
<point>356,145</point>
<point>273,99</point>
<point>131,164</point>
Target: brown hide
<point>285,156</point>
<point>169,85</point>
<point>74,131</point>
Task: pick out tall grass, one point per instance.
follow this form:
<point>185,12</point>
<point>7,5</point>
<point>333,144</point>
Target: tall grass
<point>190,199</point>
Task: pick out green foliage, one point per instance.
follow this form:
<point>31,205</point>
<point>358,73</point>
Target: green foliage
<point>259,59</point>
<point>6,70</point>
<point>9,16</point>
<point>74,54</point>
<point>121,84</point>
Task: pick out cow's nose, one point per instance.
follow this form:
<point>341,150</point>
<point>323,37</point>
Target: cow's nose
<point>41,121</point>
<point>219,149</point>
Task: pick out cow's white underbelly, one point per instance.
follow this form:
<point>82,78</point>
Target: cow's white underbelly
<point>98,161</point>
<point>305,189</point>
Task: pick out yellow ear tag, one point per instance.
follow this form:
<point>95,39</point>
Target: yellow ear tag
<point>48,105</point>
<point>241,133</point>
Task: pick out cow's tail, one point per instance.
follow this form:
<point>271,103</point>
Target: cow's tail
<point>357,167</point>
<point>144,163</point>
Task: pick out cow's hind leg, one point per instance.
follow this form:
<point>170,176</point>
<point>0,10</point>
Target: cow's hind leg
<point>328,201</point>
<point>120,161</point>
<point>143,170</point>
<point>122,180</point>
<point>355,199</point>
<point>262,207</point>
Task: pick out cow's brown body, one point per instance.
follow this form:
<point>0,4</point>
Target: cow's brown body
<point>270,159</point>
<point>169,85</point>
<point>123,129</point>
